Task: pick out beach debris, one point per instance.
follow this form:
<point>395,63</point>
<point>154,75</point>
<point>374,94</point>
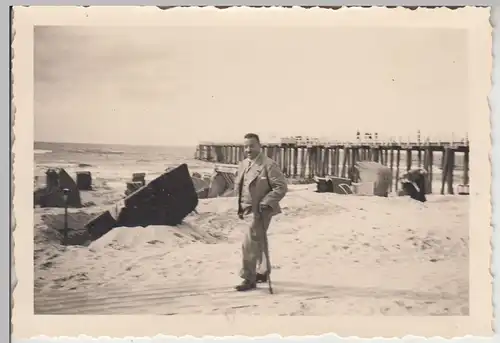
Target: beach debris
<point>222,181</point>
<point>333,184</point>
<point>139,177</point>
<point>166,200</point>
<point>200,185</point>
<point>413,184</point>
<point>463,189</point>
<point>372,178</point>
<point>84,180</point>
<point>52,194</point>
<point>133,186</point>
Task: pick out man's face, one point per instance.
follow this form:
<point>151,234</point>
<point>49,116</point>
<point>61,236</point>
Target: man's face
<point>252,148</point>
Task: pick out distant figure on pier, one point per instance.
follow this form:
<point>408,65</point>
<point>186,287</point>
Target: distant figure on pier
<point>260,185</point>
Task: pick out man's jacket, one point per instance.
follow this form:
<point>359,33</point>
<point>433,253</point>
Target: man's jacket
<point>267,183</point>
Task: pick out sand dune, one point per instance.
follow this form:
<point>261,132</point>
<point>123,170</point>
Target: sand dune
<point>331,255</point>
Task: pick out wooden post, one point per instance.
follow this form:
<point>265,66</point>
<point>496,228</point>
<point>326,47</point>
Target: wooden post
<point>426,162</point>
<point>337,162</point>
<point>269,151</point>
<point>398,160</point>
<point>280,157</point>
<point>326,162</point>
<point>430,171</point>
<point>314,161</point>
<point>427,166</point>
<point>242,152</point>
<point>353,161</point>
<point>319,166</point>
<point>349,162</point>
<point>284,166</point>
<point>224,154</point>
<point>295,160</point>
<point>391,162</point>
<point>375,155</point>
<point>332,161</point>
<point>275,153</point>
<point>303,162</point>
<point>310,164</point>
<point>344,162</point>
<point>466,167</point>
<point>209,153</point>
<point>408,159</point>
<point>443,158</point>
<point>451,167</point>
<point>444,169</point>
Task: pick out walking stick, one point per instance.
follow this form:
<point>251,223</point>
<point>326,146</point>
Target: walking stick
<point>266,254</point>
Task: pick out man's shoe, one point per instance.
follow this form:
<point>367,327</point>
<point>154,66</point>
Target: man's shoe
<point>246,286</point>
<point>261,278</point>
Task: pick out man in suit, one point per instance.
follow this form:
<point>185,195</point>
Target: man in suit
<point>260,185</point>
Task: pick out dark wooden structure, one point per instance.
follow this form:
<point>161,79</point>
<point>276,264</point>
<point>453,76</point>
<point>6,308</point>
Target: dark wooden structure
<point>52,194</point>
<point>166,200</point>
<point>139,177</point>
<point>306,162</point>
<point>84,180</point>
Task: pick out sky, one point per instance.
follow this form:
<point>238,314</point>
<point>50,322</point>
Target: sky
<point>182,85</point>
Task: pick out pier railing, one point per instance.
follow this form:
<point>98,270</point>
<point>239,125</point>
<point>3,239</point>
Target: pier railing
<point>442,160</point>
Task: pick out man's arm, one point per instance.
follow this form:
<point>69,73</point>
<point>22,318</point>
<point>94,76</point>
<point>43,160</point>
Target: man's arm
<point>278,186</point>
<point>237,177</point>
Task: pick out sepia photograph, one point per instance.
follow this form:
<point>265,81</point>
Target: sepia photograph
<point>259,169</point>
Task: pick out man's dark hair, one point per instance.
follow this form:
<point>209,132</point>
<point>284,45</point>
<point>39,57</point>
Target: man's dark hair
<point>252,135</point>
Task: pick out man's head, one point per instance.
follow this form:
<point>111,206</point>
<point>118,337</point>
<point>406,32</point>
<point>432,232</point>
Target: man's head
<point>251,145</point>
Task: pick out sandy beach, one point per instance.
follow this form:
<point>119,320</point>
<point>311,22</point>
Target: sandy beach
<point>331,255</point>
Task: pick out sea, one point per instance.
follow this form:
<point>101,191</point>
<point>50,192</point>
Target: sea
<point>115,163</point>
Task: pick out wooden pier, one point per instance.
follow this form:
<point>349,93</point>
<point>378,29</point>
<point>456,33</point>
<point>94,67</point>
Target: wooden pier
<point>442,159</point>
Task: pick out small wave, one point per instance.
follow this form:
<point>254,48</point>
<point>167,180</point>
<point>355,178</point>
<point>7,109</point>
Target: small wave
<point>41,151</point>
<point>96,151</point>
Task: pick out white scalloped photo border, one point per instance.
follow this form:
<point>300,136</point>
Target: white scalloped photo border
<point>28,325</point>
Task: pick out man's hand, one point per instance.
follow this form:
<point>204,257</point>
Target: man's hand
<point>264,207</point>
